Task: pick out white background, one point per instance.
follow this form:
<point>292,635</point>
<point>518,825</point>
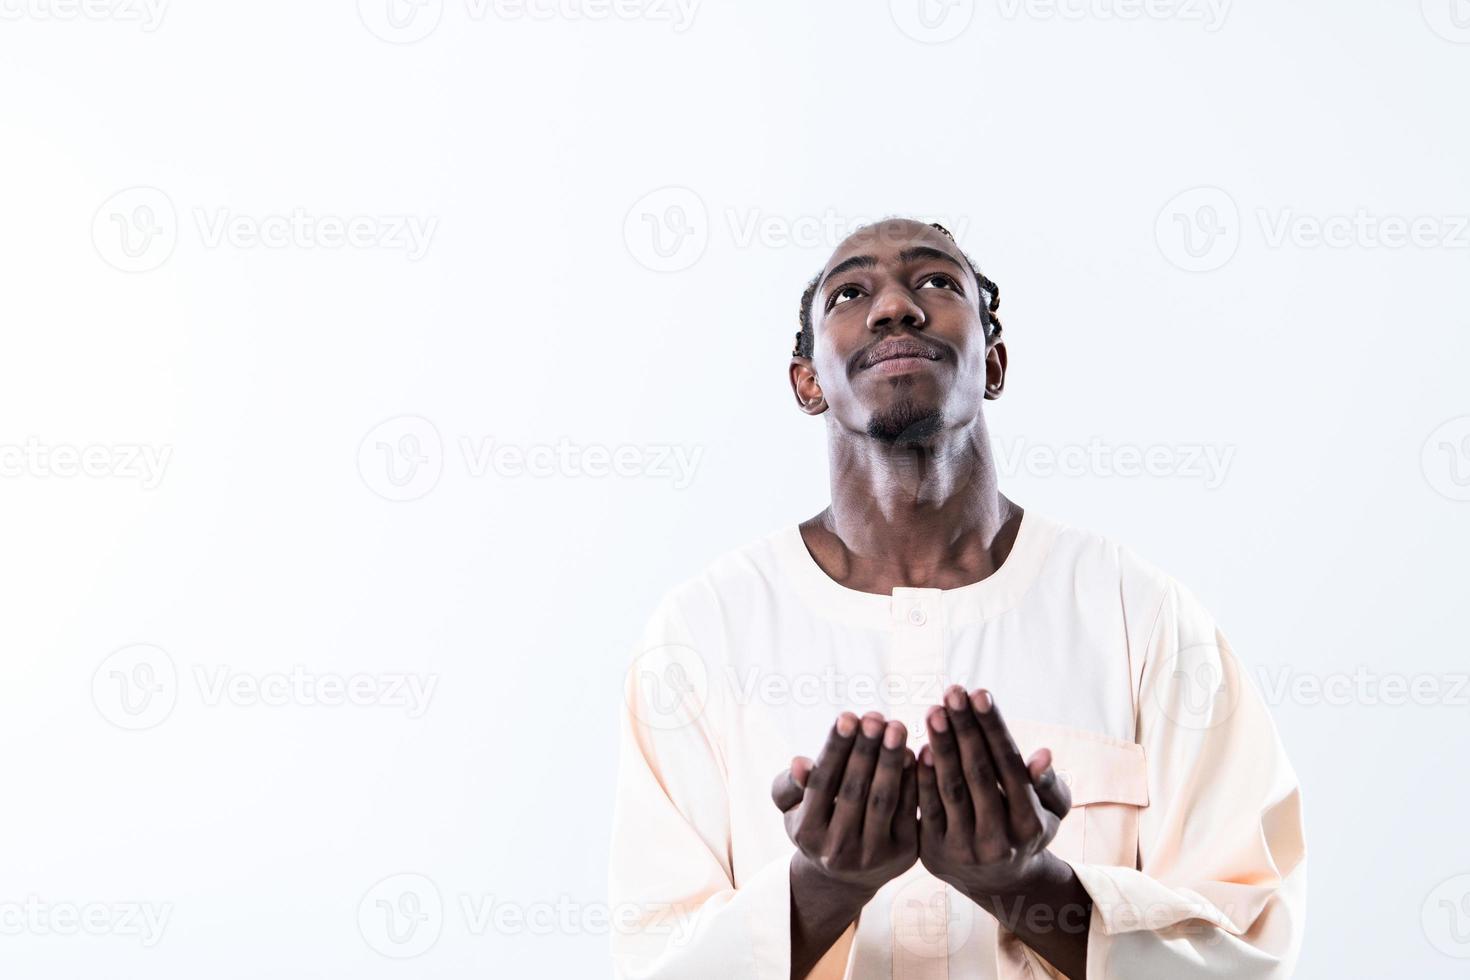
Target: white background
<point>551,302</point>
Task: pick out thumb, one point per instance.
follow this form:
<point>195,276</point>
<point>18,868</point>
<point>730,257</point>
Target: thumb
<point>1050,790</point>
<point>790,784</point>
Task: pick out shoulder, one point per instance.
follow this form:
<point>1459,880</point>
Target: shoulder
<point>729,589</point>
<point>1145,591</point>
<point>1094,554</point>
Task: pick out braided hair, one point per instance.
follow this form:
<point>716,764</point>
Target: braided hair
<point>805,339</point>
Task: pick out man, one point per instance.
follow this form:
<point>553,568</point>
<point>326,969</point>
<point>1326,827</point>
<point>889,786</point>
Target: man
<point>1045,760</point>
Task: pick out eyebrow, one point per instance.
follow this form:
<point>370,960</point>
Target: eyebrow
<point>905,257</point>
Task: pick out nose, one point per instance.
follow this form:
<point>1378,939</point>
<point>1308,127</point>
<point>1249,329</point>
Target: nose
<point>894,307</point>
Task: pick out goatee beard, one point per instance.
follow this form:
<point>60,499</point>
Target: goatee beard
<point>905,424</point>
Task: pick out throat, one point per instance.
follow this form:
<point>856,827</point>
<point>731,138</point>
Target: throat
<point>881,557</point>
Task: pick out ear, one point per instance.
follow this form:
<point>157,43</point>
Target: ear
<point>995,369</point>
<point>805,386</point>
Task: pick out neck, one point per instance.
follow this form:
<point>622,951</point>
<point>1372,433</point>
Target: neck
<point>923,516</point>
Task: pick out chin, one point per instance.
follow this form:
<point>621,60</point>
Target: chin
<point>905,423</point>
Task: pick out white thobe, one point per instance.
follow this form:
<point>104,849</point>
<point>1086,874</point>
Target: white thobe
<point>1186,827</point>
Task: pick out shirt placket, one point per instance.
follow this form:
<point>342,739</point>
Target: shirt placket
<point>920,913</point>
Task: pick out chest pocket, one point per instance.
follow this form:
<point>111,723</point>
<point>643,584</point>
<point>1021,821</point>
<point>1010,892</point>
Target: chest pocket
<point>1108,778</point>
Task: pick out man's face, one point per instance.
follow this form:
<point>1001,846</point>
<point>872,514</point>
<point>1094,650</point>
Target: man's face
<point>900,349</point>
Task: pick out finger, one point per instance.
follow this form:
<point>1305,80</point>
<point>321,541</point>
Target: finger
<point>887,787</point>
<point>906,819</point>
<point>931,806</point>
<point>975,763</point>
<point>823,780</point>
<point>1023,809</point>
<point>846,826</point>
<point>786,791</point>
<point>1054,794</point>
<point>949,776</point>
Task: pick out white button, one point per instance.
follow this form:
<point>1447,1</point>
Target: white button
<point>917,617</point>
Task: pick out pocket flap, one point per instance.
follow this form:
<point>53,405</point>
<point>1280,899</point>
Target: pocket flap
<point>1097,768</point>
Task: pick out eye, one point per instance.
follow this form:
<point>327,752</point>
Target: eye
<point>939,280</point>
<point>843,295</point>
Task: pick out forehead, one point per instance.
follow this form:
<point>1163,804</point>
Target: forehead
<point>886,239</point>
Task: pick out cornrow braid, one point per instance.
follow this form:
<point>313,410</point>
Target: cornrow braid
<point>805,339</point>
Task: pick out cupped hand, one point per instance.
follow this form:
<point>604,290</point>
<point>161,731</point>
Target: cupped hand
<point>853,815</point>
<point>986,815</point>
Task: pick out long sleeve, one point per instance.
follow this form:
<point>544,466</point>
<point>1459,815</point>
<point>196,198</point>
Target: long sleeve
<point>672,886</point>
<point>1220,887</point>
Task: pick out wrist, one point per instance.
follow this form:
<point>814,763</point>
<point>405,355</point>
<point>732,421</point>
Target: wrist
<point>810,879</point>
<point>1037,878</point>
<point>1047,897</point>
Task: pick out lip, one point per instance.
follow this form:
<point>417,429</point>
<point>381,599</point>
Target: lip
<point>900,365</point>
<point>898,354</point>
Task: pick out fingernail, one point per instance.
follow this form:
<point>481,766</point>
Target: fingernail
<point>955,698</point>
<point>939,721</point>
<point>872,726</point>
<point>926,757</point>
<point>982,701</point>
<point>893,736</point>
<point>846,724</point>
